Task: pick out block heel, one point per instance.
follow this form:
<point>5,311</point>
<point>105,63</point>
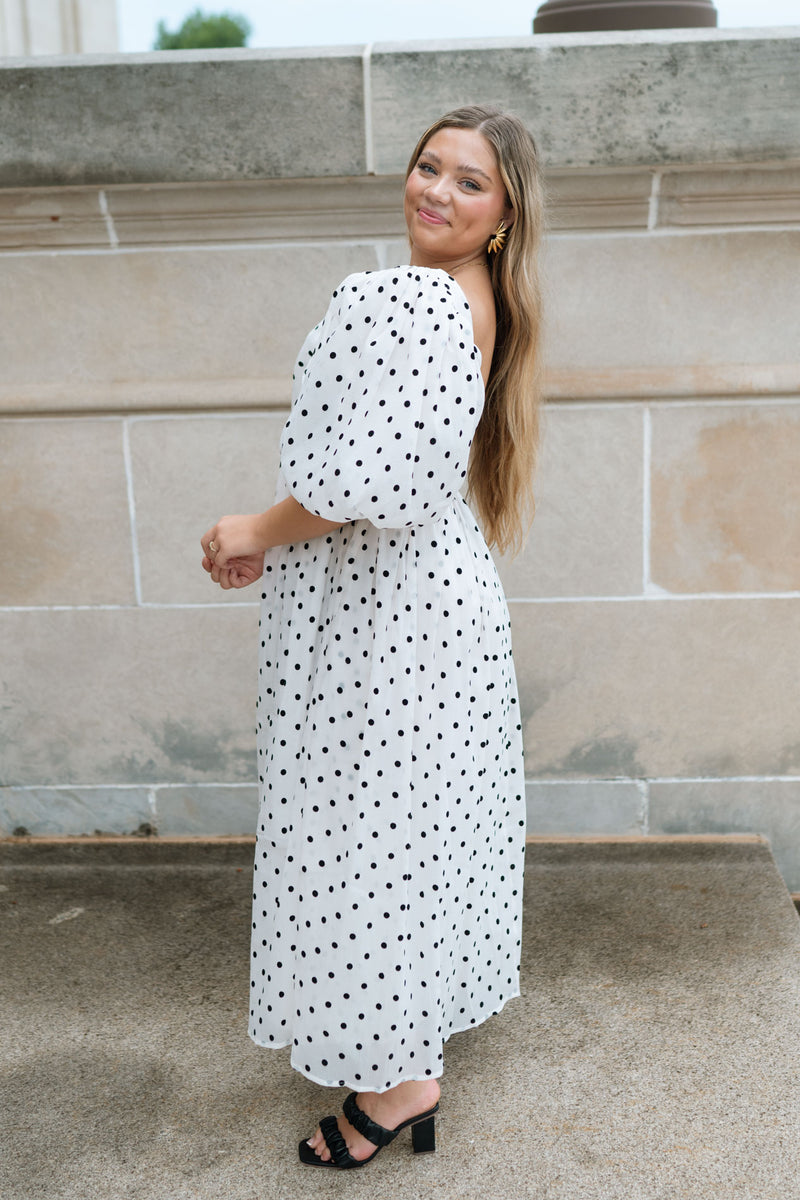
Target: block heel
<point>423,1136</point>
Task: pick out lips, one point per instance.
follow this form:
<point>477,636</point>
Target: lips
<point>431,218</point>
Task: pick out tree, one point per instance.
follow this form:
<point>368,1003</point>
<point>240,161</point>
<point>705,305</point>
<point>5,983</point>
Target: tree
<point>205,31</point>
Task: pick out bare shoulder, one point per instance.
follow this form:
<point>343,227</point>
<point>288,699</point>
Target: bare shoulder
<point>477,287</point>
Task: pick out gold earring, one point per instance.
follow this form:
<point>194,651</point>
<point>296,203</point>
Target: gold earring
<point>498,239</point>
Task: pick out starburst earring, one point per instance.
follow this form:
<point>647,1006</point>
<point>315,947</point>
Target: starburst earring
<point>498,239</point>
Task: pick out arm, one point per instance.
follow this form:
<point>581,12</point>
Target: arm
<point>240,541</point>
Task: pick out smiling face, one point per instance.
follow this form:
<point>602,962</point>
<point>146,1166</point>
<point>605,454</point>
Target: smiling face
<point>454,199</point>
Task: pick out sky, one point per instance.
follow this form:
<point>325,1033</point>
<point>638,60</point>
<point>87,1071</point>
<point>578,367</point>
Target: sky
<point>347,22</point>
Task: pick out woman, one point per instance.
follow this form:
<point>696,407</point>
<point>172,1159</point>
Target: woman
<point>389,858</point>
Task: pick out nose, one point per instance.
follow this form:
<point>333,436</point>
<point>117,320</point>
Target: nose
<point>438,188</point>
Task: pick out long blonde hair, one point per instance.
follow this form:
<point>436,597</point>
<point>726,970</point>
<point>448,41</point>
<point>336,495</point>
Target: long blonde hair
<point>504,448</point>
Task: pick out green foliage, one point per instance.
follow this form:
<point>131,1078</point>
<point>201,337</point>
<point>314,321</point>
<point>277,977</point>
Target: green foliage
<point>205,31</point>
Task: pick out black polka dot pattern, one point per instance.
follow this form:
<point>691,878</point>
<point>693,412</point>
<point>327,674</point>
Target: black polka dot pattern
<point>388,871</point>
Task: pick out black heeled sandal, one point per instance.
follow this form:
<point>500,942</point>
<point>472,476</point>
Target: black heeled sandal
<point>423,1136</point>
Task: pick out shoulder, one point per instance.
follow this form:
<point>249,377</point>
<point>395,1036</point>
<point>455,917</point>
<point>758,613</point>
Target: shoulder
<point>401,284</point>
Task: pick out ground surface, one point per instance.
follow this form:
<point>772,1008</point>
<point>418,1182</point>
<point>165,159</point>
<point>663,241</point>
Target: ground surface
<point>652,1056</point>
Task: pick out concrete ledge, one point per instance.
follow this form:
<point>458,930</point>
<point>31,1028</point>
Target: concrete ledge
<point>619,99</point>
<point>187,115</point>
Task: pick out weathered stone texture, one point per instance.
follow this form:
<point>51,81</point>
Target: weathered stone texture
<point>699,301</point>
<point>181,115</point>
<point>726,498</point>
<point>66,526</point>
<point>767,806</point>
<point>257,210</point>
<point>194,315</point>
<point>619,99</point>
<point>590,808</point>
<point>586,538</point>
<point>207,811</point>
<point>618,200</point>
<point>137,695</point>
<point>188,472</point>
<point>48,219</point>
<point>741,197</point>
<point>74,811</point>
<point>659,688</point>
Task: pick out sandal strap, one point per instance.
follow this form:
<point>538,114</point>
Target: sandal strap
<point>340,1155</point>
<point>366,1127</point>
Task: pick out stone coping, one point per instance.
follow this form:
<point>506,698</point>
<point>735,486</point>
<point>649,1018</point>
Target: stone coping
<point>606,99</point>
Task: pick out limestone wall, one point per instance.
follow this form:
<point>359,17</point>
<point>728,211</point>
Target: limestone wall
<point>170,226</point>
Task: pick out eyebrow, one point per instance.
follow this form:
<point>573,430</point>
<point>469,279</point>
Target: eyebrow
<point>465,167</point>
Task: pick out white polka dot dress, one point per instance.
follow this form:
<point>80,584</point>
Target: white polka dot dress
<point>387,894</point>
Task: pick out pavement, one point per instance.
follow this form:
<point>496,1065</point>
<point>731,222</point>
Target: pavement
<point>653,1054</point>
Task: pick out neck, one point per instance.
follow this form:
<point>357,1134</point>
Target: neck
<point>451,266</point>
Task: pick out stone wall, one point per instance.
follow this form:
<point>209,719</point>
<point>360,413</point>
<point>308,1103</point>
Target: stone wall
<point>170,227</point>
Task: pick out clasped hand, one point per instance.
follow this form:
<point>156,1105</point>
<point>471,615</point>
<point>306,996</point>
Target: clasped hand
<point>234,549</point>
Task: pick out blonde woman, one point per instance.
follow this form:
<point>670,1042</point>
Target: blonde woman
<point>389,861</point>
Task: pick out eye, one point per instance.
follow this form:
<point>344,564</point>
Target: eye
<point>427,167</point>
<point>471,185</point>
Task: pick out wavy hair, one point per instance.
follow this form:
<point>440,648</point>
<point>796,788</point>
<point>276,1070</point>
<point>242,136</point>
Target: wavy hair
<point>504,449</point>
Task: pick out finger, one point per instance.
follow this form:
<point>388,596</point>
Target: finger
<point>207,538</point>
<point>207,564</point>
<point>225,579</point>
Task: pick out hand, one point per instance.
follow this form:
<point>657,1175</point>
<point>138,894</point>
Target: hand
<point>234,550</point>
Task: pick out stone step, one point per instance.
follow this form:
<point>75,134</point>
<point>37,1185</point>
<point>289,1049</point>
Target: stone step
<point>652,1055</point>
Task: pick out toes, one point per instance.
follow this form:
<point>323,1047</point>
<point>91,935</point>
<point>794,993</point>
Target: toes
<point>319,1145</point>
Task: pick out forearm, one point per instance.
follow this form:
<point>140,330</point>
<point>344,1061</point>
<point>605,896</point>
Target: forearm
<point>287,522</point>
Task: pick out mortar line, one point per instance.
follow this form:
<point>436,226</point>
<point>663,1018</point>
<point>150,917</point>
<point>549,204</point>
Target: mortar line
<point>549,783</point>
<point>664,597</point>
<point>647,447</point>
<point>651,779</point>
<point>152,805</point>
<point>644,805</point>
<point>109,220</point>
<point>366,76</point>
<point>653,202</point>
<point>312,243</point>
<point>137,574</point>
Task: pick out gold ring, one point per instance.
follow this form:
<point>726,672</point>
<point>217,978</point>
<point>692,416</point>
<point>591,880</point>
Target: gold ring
<point>213,547</point>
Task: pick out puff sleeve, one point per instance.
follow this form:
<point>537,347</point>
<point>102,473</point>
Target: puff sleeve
<point>387,394</point>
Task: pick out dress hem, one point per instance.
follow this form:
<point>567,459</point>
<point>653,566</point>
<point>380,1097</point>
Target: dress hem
<point>357,1087</point>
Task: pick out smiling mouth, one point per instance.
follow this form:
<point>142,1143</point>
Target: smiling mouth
<point>432,218</point>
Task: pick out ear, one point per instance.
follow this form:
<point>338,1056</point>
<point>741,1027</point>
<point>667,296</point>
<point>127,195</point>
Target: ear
<point>509,216</point>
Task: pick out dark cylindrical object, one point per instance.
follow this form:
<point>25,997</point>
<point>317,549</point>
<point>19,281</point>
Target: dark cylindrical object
<point>571,16</point>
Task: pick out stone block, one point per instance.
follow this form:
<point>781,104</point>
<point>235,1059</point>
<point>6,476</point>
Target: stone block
<point>207,811</point>
<point>187,473</point>
<point>767,806</point>
<point>51,219</point>
<point>74,812</point>
<point>659,688</point>
<point>598,199</point>
<point>725,498</point>
<point>743,196</point>
<point>644,97</point>
<point>66,525</point>
<point>586,538</point>
<point>137,695</point>
<point>671,314</point>
<point>182,116</point>
<point>257,210</point>
<point>187,317</point>
<point>599,806</point>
